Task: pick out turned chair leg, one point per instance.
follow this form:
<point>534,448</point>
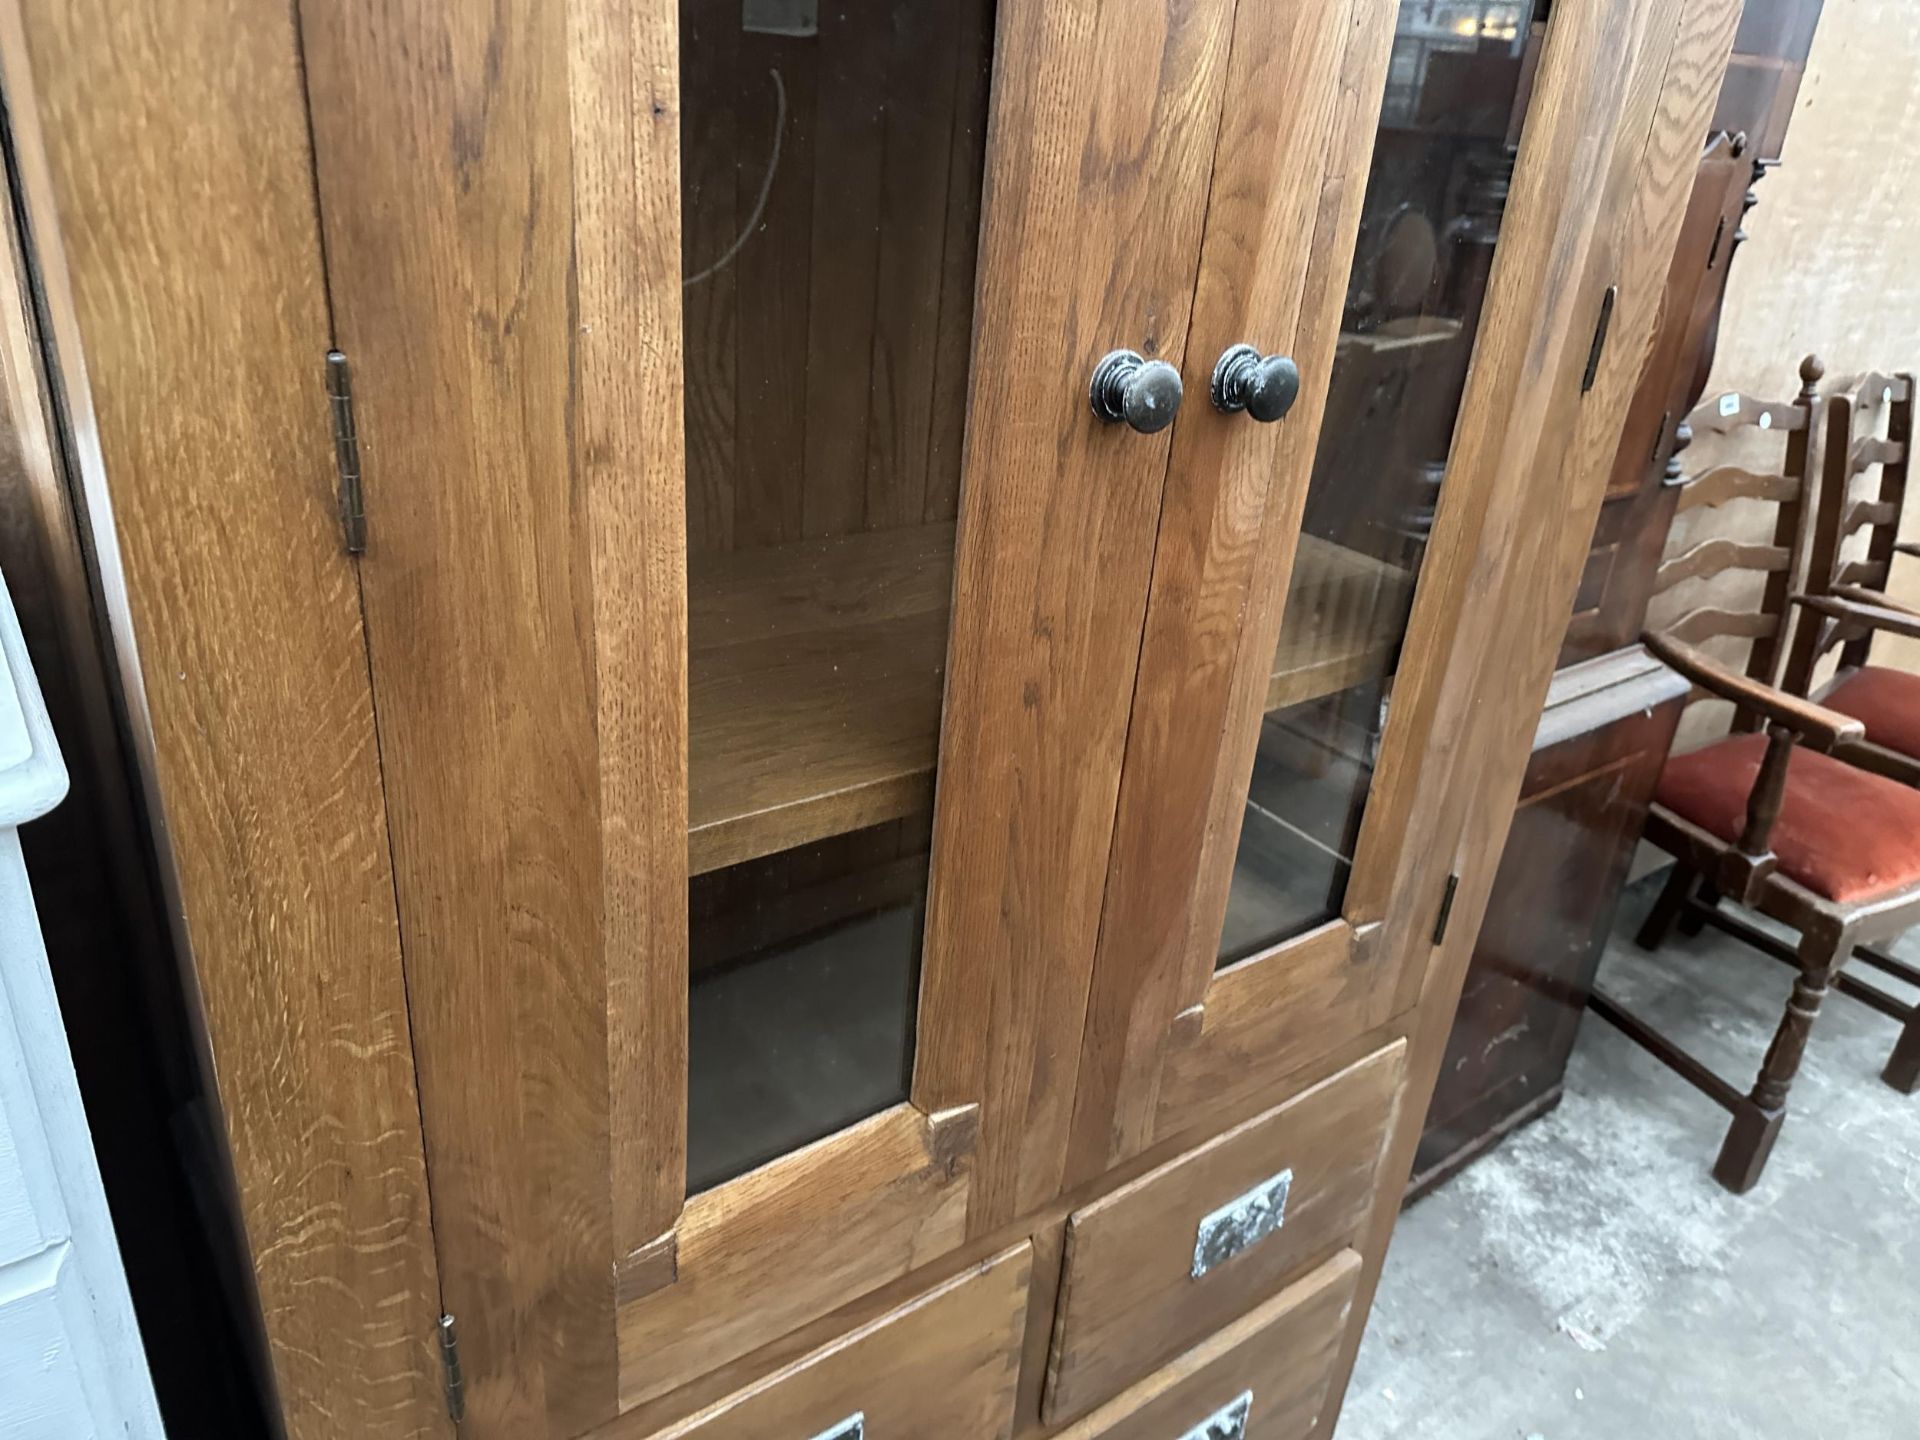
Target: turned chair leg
<point>1693,917</point>
<point>1756,1121</point>
<point>1903,1070</point>
<point>1679,889</point>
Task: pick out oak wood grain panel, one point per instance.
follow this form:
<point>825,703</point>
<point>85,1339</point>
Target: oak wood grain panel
<point>1283,1353</point>
<point>1268,1017</point>
<point>1642,80</point>
<point>190,339</point>
<point>1103,127</point>
<point>922,85</point>
<point>1128,1299</point>
<point>515,375</point>
<point>838,245</point>
<point>973,42</point>
<point>849,117</point>
<point>1277,138</point>
<point>1262,632</point>
<point>942,1365</point>
<point>787,1243</point>
<point>132,1021</point>
<point>1342,622</point>
<point>815,703</point>
<point>712,214</point>
<point>629,457</point>
<point>771,338</point>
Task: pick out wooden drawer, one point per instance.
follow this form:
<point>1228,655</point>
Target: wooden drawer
<point>942,1365</point>
<point>1268,1371</point>
<point>1170,1258</point>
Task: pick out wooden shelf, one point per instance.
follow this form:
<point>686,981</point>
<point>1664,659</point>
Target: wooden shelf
<point>816,670</point>
<point>1345,615</point>
<point>814,689</point>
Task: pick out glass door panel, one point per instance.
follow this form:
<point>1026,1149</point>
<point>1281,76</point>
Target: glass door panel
<point>1443,156</point>
<point>831,160</point>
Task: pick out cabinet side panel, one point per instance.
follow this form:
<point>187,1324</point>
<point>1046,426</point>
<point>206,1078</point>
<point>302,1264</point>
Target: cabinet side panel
<point>169,192</point>
<point>1626,89</point>
<point>498,189</point>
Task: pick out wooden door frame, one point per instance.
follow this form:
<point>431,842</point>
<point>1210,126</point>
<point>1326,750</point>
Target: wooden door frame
<point>1220,1037</point>
<point>163,171</point>
<point>1276,266</point>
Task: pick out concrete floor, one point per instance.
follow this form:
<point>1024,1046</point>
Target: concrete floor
<point>1589,1281</point>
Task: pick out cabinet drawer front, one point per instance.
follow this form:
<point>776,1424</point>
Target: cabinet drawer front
<point>1176,1254</point>
<point>1264,1377</point>
<point>944,1364</point>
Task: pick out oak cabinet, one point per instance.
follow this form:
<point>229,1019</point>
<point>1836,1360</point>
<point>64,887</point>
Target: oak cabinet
<point>950,604</point>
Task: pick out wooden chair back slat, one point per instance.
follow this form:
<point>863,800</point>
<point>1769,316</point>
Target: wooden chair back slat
<point>1875,388</point>
<point>1710,622</point>
<point>1788,490</point>
<point>1861,572</point>
<point>1844,509</point>
<point>1730,482</point>
<point>1733,411</point>
<point>1714,557</point>
<point>1865,512</point>
<point>1871,451</point>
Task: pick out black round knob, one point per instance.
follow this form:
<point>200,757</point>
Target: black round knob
<point>1143,393</point>
<point>1265,386</point>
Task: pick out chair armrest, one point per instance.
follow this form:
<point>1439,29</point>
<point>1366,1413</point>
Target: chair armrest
<point>1848,606</point>
<point>1821,728</point>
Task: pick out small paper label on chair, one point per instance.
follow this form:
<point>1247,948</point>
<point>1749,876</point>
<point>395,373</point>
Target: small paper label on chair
<point>1729,405</point>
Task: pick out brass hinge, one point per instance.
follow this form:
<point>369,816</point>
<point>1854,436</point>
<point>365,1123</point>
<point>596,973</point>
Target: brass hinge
<point>346,454</point>
<point>450,1363</point>
<point>1446,909</point>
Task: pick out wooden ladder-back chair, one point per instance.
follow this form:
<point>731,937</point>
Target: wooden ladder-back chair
<point>1867,448</point>
<point>1844,604</point>
<point>1768,818</point>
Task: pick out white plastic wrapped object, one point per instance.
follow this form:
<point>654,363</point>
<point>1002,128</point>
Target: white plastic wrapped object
<point>71,1364</point>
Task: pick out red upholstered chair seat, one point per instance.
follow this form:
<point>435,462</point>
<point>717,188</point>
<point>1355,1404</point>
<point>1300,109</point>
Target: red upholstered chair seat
<point>1843,833</point>
<point>1886,701</point>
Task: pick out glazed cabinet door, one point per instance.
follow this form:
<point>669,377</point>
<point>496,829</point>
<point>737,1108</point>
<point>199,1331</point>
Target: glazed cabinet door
<point>753,592</point>
<point>1282,861</point>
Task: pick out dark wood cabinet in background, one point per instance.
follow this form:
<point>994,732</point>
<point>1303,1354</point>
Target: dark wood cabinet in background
<point>1596,758</point>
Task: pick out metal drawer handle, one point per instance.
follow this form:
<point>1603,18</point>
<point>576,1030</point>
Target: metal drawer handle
<point>1228,1423</point>
<point>854,1427</point>
<point>1144,393</point>
<point>1241,1223</point>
